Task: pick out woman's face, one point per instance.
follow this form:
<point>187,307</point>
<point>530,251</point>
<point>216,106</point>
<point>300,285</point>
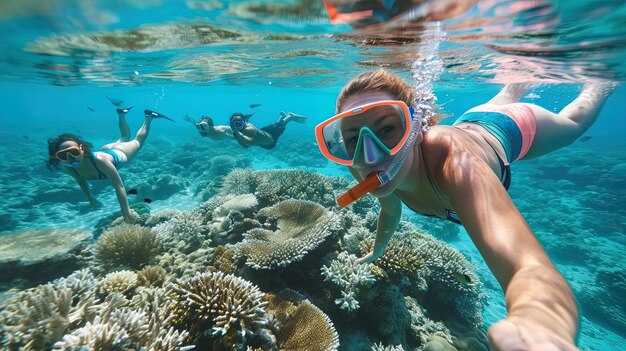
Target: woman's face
<point>70,153</point>
<point>361,169</point>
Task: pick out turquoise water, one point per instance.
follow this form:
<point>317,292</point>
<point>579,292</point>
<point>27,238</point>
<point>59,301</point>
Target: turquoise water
<point>59,61</point>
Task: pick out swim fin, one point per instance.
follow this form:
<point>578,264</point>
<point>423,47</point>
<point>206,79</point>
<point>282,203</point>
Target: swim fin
<point>153,114</point>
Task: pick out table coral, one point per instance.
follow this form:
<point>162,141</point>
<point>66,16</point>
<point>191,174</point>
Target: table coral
<point>302,226</point>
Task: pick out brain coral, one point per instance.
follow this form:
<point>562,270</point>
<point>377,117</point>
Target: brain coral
<point>126,245</point>
<point>302,226</point>
<point>302,326</point>
<point>213,303</point>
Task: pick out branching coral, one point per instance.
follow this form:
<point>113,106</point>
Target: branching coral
<point>218,304</point>
<point>349,276</point>
<point>398,257</point>
<point>151,276</point>
<point>381,347</point>
<point>301,325</point>
<point>184,232</point>
<point>272,186</point>
<point>121,282</point>
<point>38,317</point>
<point>126,245</point>
<point>423,327</point>
<point>450,274</point>
<point>302,226</point>
<point>67,312</point>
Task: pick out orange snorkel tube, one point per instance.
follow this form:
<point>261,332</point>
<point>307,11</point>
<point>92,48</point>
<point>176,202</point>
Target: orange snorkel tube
<point>370,183</point>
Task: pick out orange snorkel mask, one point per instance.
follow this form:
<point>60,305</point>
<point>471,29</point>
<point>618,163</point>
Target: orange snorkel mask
<point>383,127</point>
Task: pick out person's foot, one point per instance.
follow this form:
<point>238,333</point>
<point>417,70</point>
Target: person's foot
<point>294,117</point>
<point>124,110</point>
<point>153,114</point>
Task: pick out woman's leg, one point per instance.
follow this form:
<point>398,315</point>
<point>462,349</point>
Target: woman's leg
<point>555,131</point>
<point>510,94</point>
<point>124,130</point>
<point>130,148</point>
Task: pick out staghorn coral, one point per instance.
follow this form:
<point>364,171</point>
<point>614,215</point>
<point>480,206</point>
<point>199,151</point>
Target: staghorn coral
<point>349,276</point>
<point>126,245</point>
<point>219,304</point>
<point>161,217</point>
<point>301,325</point>
<point>444,265</point>
<point>398,256</point>
<point>121,282</point>
<point>423,327</point>
<point>156,305</point>
<point>97,336</point>
<point>302,226</point>
<point>184,232</point>
<point>272,186</point>
<point>223,259</point>
<point>151,276</point>
<point>381,347</point>
<point>35,318</point>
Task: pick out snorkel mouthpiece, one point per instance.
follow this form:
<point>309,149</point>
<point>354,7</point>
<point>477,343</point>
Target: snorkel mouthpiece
<point>370,183</point>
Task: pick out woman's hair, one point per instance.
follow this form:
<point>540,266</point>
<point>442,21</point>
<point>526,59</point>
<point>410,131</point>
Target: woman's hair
<point>53,147</point>
<point>383,81</point>
<point>208,120</point>
<point>237,114</point>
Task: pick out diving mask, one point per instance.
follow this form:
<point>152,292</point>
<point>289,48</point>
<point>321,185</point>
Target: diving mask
<point>390,127</point>
<point>69,154</point>
<point>384,124</point>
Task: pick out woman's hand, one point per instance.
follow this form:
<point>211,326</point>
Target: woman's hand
<point>369,258</point>
<point>518,334</point>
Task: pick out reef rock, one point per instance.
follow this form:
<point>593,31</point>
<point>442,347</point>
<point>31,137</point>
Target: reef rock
<point>32,257</point>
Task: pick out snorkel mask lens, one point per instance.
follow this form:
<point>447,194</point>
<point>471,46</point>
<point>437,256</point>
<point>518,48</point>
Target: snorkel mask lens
<point>238,125</point>
<point>382,125</point>
<point>70,153</point>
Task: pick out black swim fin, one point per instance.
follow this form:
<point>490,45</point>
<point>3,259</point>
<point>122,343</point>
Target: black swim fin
<point>153,114</point>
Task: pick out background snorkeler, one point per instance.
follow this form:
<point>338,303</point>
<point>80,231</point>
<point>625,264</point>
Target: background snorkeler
<point>73,155</point>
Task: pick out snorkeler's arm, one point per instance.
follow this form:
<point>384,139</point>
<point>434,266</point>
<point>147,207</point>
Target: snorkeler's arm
<point>388,219</point>
<point>84,187</point>
<point>541,307</point>
<point>224,130</point>
<point>109,170</point>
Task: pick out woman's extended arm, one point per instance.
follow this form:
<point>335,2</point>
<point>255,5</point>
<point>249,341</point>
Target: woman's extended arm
<point>388,219</point>
<point>109,170</point>
<point>84,187</point>
<point>542,310</point>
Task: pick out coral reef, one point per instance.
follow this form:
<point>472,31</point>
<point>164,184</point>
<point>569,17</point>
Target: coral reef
<point>381,347</point>
<point>151,276</point>
<point>31,257</point>
<point>183,232</point>
<point>350,276</point>
<point>398,256</point>
<point>126,245</point>
<point>36,318</point>
<point>217,304</point>
<point>273,186</point>
<point>301,325</point>
<point>301,228</point>
<point>121,282</point>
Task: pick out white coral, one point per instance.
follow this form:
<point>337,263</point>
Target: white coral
<point>350,275</point>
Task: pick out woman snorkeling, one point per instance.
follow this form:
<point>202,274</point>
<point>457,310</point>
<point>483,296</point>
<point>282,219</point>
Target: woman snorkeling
<point>461,173</point>
<point>74,156</point>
